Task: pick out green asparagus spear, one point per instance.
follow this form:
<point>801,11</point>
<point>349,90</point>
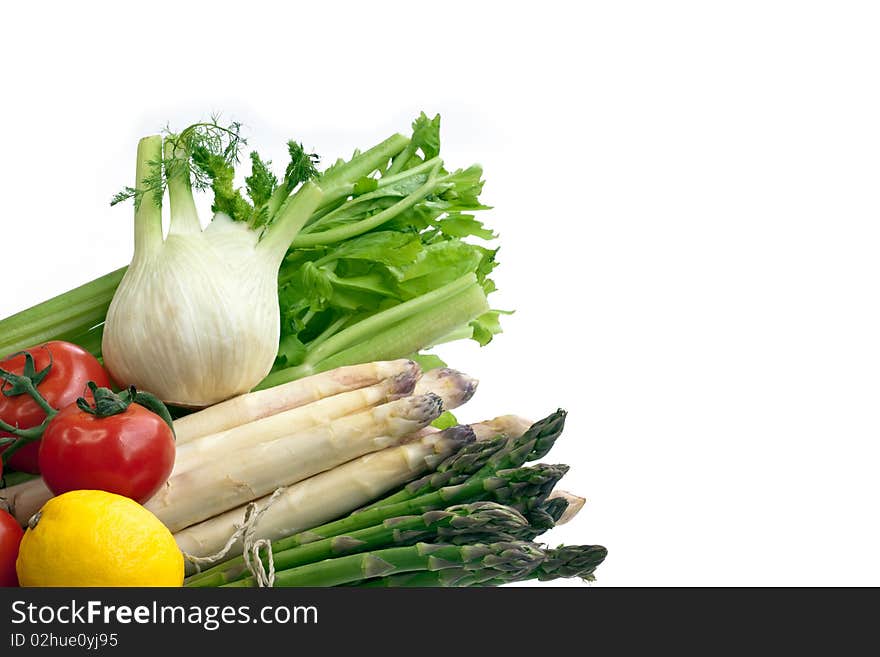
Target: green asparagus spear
<point>485,457</point>
<point>532,445</point>
<point>571,561</point>
<point>478,522</point>
<point>566,561</point>
<point>524,489</point>
<point>449,473</point>
<point>544,517</point>
<point>516,558</point>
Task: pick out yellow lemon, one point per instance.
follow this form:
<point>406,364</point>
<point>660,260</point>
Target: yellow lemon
<point>95,538</point>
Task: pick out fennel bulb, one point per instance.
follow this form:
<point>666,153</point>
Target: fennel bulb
<point>195,319</point>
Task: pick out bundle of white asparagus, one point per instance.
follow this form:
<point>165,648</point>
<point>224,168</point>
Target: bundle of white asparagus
<point>302,453</point>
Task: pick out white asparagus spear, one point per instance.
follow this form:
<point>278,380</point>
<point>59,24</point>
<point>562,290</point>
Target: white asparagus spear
<point>329,494</point>
<point>25,499</point>
<point>237,478</point>
<point>575,504</point>
<point>263,403</point>
<point>512,426</point>
<point>372,476</point>
<point>347,487</point>
<point>454,387</point>
<point>286,423</point>
<point>321,397</point>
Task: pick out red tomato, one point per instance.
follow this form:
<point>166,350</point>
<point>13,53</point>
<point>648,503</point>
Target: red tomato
<point>130,454</point>
<point>10,537</point>
<point>72,368</point>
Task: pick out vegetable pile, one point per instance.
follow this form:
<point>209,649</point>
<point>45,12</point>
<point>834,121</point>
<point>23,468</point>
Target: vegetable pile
<point>262,388</point>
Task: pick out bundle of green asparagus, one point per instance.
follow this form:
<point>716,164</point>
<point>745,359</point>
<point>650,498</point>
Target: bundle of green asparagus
<point>471,521</point>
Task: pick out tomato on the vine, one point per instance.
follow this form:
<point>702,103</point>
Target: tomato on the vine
<point>117,445</point>
<point>10,537</point>
<point>72,367</point>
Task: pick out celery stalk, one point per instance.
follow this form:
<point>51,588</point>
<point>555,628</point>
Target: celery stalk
<point>62,317</point>
<point>391,334</point>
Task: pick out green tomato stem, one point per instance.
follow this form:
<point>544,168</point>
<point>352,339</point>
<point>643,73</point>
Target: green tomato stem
<point>22,437</point>
<point>24,384</point>
<point>38,398</point>
<point>26,436</point>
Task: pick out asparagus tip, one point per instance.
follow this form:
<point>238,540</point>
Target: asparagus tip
<point>429,406</point>
<point>455,387</point>
<point>403,384</point>
<point>448,442</point>
<point>572,561</point>
<point>512,426</point>
<point>575,504</point>
<point>460,434</point>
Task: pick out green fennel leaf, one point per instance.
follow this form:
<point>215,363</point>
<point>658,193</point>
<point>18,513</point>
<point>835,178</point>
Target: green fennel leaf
<point>262,182</point>
<point>203,149</point>
<point>125,194</point>
<point>302,166</point>
<point>221,173</point>
<point>261,185</point>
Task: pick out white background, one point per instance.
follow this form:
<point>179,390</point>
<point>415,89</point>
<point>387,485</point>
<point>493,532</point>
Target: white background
<point>687,196</point>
